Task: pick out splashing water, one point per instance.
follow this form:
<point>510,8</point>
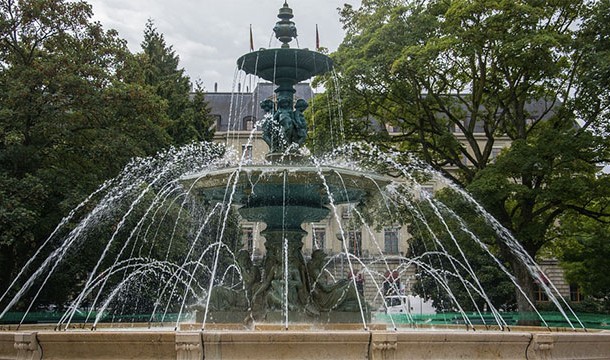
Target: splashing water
<point>156,244</point>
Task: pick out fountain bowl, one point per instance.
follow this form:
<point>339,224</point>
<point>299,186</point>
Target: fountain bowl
<point>277,65</point>
<point>299,341</point>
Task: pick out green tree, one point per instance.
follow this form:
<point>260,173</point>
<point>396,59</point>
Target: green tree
<point>195,124</point>
<point>460,77</point>
<point>583,248</point>
<point>592,98</point>
<point>453,252</point>
<point>74,108</point>
<point>190,120</point>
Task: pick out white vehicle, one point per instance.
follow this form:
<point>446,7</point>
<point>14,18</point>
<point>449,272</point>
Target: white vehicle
<point>407,304</point>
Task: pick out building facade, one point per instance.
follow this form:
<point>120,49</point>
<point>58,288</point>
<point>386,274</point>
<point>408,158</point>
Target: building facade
<point>236,117</point>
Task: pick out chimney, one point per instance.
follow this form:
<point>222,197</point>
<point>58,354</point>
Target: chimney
<point>215,87</point>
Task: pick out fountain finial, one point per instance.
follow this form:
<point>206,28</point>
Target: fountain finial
<point>286,129</point>
<point>285,29</point>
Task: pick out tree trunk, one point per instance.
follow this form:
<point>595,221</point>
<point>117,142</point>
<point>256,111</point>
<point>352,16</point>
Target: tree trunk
<point>527,315</point>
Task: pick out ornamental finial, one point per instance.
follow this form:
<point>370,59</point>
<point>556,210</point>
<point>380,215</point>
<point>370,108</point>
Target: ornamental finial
<point>285,30</point>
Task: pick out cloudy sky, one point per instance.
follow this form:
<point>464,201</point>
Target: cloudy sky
<point>209,35</point>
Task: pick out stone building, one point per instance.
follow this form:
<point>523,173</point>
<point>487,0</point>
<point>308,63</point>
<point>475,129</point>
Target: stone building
<point>236,115</point>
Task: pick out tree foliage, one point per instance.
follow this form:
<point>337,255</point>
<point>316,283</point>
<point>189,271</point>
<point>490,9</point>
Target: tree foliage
<point>189,116</point>
<point>583,248</point>
<point>75,107</point>
<point>456,271</point>
<point>462,78</point>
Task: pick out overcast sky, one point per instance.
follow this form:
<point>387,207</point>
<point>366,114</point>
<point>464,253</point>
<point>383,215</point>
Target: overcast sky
<point>210,35</point>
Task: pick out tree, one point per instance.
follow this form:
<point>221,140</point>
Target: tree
<point>592,99</point>
<point>583,249</point>
<point>73,111</point>
<point>452,252</point>
<point>190,120</point>
<point>196,123</point>
<point>327,129</point>
<point>459,77</point>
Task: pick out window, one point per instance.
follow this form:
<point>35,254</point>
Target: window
<point>347,211</point>
<point>575,294</point>
<point>428,189</point>
<point>218,121</point>
<point>246,151</point>
<point>354,239</point>
<point>494,154</point>
<point>248,239</point>
<point>479,126</point>
<point>248,123</point>
<point>390,238</point>
<point>393,129</point>
<point>426,192</point>
<point>318,238</point>
<point>541,296</point>
<point>391,284</point>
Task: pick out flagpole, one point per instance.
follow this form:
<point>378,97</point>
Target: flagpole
<point>251,39</point>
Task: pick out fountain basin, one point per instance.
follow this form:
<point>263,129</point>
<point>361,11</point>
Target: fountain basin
<point>304,343</point>
<point>285,196</point>
<point>280,65</point>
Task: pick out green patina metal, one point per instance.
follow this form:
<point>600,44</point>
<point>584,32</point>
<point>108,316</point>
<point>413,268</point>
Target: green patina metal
<point>284,195</point>
<point>285,67</point>
<point>285,30</point>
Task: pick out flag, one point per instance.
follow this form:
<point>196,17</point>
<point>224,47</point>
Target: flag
<point>251,39</point>
<point>317,38</point>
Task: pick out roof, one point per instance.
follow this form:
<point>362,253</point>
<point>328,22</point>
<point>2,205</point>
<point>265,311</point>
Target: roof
<point>233,110</point>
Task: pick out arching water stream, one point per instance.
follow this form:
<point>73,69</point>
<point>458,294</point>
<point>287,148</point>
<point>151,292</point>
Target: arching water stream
<point>165,236</point>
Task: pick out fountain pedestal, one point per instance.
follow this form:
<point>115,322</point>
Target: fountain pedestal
<point>284,197</point>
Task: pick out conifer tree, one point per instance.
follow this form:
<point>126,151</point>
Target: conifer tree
<point>188,114</point>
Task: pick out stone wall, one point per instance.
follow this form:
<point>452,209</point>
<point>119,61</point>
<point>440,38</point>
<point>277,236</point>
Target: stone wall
<point>374,276</point>
<point>303,344</point>
<point>554,273</point>
<point>7,346</point>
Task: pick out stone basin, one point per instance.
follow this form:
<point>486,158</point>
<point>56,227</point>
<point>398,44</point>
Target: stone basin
<point>302,342</point>
<point>285,195</point>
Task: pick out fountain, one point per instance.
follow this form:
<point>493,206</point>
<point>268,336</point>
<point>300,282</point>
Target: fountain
<point>282,306</point>
<point>285,194</point>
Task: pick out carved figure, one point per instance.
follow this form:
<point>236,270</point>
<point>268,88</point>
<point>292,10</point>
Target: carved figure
<point>300,125</point>
<point>284,120</point>
<point>267,126</point>
<point>223,298</point>
<point>271,271</point>
<point>250,273</point>
<point>286,127</point>
<point>341,295</point>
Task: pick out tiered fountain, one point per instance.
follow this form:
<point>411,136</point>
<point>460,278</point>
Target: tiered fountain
<point>284,195</point>
<point>282,310</point>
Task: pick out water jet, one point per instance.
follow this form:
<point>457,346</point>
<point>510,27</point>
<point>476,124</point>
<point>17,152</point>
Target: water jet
<point>285,305</point>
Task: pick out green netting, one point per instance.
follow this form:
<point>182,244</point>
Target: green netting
<point>553,319</point>
<point>80,317</point>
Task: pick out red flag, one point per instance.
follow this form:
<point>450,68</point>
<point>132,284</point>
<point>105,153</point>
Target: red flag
<point>317,38</point>
<point>251,39</point>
